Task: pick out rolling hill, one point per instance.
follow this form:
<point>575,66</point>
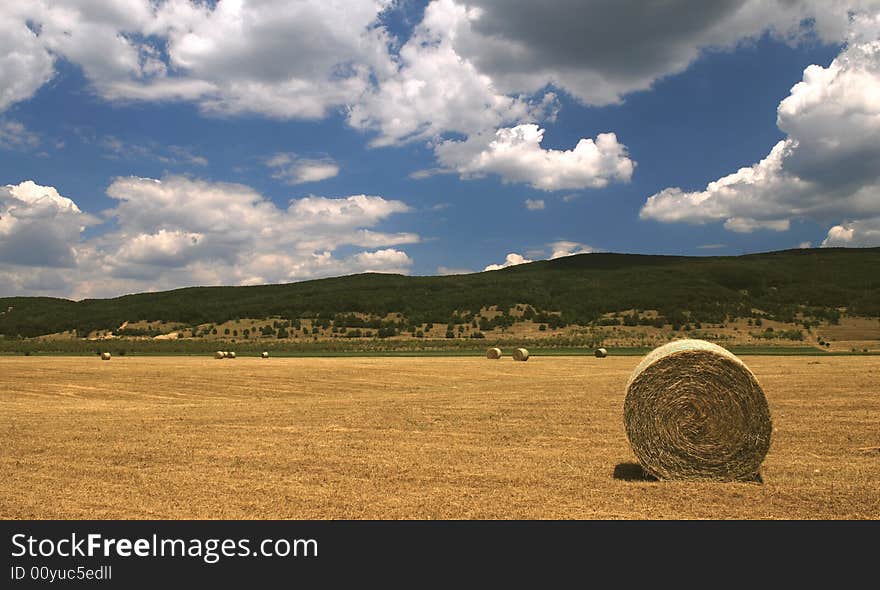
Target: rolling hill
<point>785,285</point>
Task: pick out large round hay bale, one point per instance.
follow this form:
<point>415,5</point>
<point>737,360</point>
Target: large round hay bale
<point>693,410</point>
<point>219,355</point>
<point>230,355</point>
<point>601,353</point>
<point>493,353</point>
<point>520,354</point>
<point>264,355</point>
<point>105,356</point>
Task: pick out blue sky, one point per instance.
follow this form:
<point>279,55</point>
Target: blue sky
<point>147,147</point>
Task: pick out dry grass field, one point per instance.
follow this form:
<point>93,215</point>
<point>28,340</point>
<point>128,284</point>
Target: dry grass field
<point>332,438</point>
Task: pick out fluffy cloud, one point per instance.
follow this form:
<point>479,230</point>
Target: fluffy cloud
<point>827,167</point>
<point>468,66</point>
<point>515,154</point>
<point>864,232</point>
<point>229,57</point>
<point>479,66</point>
<point>103,37</point>
<point>387,260</point>
<point>38,226</point>
<point>535,204</point>
<point>481,69</point>
<point>294,170</point>
<point>433,90</point>
<point>243,49</point>
<point>601,50</point>
<point>565,248</point>
<point>511,259</point>
<point>557,250</point>
<point>234,57</point>
<point>25,63</point>
<point>179,231</point>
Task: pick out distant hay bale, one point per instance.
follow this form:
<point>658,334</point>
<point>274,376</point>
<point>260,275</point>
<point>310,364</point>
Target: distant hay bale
<point>601,353</point>
<point>105,356</point>
<point>230,355</point>
<point>693,410</point>
<point>493,353</point>
<point>520,354</point>
<point>219,355</point>
<point>264,354</point>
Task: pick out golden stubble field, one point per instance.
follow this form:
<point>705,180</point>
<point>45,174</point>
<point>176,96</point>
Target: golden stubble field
<point>392,438</point>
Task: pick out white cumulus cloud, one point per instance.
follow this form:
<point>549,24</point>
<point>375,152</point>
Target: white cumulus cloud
<point>279,58</point>
<point>515,154</point>
<point>556,250</point>
<point>566,248</point>
<point>487,70</point>
<point>468,66</point>
<point>180,231</point>
<point>431,89</point>
<point>511,259</point>
<point>39,227</point>
<point>859,233</point>
<point>827,168</point>
<point>25,62</point>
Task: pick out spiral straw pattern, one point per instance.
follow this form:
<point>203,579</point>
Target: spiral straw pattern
<point>693,410</point>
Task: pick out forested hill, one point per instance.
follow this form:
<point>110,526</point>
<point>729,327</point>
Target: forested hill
<point>812,282</point>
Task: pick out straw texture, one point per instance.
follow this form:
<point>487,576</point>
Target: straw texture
<point>693,410</point>
<point>520,354</point>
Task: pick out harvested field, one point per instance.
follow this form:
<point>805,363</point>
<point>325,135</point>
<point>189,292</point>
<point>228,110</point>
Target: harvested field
<point>326,438</point>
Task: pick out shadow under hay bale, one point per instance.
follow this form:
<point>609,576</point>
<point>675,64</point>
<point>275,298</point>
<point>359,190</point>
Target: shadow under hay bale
<point>632,472</point>
<point>635,472</point>
<point>695,411</point>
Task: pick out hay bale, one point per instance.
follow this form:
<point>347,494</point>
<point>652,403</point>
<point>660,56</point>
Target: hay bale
<point>264,355</point>
<point>105,356</point>
<point>493,353</point>
<point>230,355</point>
<point>520,354</point>
<point>219,355</point>
<point>601,353</point>
<point>693,410</point>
